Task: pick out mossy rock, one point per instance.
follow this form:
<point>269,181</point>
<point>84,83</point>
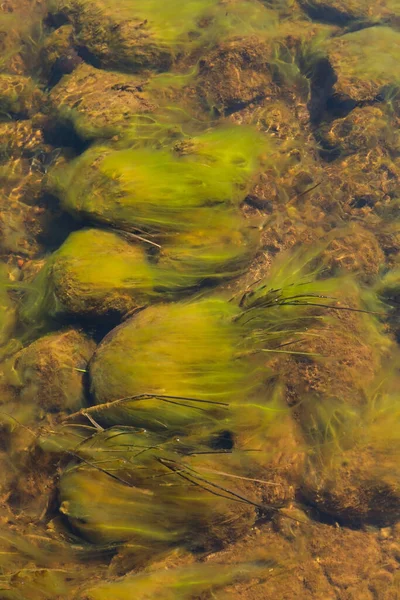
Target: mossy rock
<point>344,12</point>
<point>366,186</point>
<point>162,190</point>
<point>206,256</point>
<point>94,273</point>
<point>235,74</point>
<point>133,36</point>
<point>58,46</point>
<point>19,96</point>
<point>365,62</point>
<point>352,492</point>
<point>20,228</point>
<point>183,350</point>
<point>105,509</point>
<point>355,250</point>
<point>50,371</point>
<point>99,103</point>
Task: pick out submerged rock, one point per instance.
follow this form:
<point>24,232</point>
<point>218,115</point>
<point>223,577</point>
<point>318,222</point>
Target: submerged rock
<point>365,63</point>
<point>49,373</point>
<point>132,36</point>
<point>164,190</point>
<point>19,96</point>
<point>95,273</point>
<point>99,103</point>
<point>235,74</point>
<point>344,12</point>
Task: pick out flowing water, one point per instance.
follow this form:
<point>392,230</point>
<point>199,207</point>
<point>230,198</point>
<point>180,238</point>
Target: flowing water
<point>199,300</point>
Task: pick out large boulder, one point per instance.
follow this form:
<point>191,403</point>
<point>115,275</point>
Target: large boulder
<point>94,273</point>
<point>49,373</point>
<point>98,103</point>
<point>365,63</point>
<point>162,190</point>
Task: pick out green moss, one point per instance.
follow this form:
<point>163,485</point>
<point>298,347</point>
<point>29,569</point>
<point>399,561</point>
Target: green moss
<point>161,190</point>
<point>182,583</point>
<point>365,61</point>
<point>49,372</point>
<point>136,36</point>
<point>94,273</point>
<point>189,349</point>
<point>19,96</point>
<point>219,249</point>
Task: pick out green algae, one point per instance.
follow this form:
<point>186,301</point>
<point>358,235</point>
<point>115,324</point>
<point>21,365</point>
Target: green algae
<point>94,272</point>
<point>7,308</point>
<point>182,583</point>
<point>161,190</point>
<point>365,61</point>
<point>138,36</point>
<point>118,493</point>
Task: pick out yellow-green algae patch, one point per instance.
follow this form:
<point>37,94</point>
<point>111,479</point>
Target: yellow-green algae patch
<point>366,61</point>
<point>95,272</point>
<point>162,190</point>
<point>135,36</point>
<point>145,500</point>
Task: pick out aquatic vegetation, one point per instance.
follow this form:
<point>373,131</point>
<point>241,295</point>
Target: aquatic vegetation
<point>128,485</point>
<point>353,467</point>
<point>344,12</point>
<point>7,308</point>
<point>108,105</point>
<point>162,190</point>
<point>136,37</point>
<point>365,61</point>
<point>19,96</point>
<point>189,348</point>
<point>95,272</point>
<point>182,583</point>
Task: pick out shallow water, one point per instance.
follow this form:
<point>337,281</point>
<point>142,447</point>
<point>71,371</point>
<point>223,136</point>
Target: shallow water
<point>199,300</point>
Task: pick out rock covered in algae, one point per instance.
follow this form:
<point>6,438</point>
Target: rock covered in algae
<point>19,96</point>
<point>364,129</point>
<point>8,315</point>
<point>20,138</point>
<point>182,350</point>
<point>49,372</point>
<point>354,468</point>
<point>58,55</point>
<point>161,190</point>
<point>94,273</point>
<point>98,103</point>
<point>234,74</point>
<point>221,248</point>
<point>135,36</point>
<point>343,12</point>
<point>365,62</point>
<point>131,506</point>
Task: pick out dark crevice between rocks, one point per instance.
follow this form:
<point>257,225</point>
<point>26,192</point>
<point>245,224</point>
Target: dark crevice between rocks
<point>62,134</point>
<point>59,226</point>
<point>324,12</point>
<point>88,57</point>
<point>322,81</point>
<point>56,20</point>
